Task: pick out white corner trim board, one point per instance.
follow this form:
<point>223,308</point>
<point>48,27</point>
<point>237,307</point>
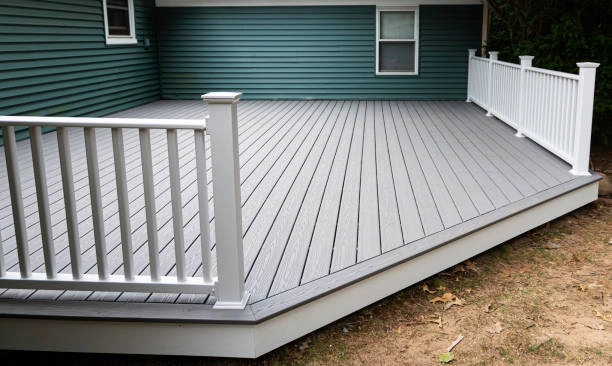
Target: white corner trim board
<point>226,3</point>
<point>253,340</point>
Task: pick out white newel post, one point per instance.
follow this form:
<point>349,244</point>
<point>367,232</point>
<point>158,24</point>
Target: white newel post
<point>584,118</point>
<point>471,53</point>
<point>492,57</point>
<point>222,127</point>
<point>526,62</point>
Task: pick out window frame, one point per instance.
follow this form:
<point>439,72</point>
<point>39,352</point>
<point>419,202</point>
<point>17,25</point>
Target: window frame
<point>415,10</point>
<point>121,39</point>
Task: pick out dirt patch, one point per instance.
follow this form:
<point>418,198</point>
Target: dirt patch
<point>542,298</point>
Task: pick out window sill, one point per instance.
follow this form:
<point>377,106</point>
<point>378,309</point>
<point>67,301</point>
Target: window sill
<point>395,73</point>
<point>121,41</point>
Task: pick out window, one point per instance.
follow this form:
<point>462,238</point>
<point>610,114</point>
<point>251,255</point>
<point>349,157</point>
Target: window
<point>397,46</point>
<point>119,21</point>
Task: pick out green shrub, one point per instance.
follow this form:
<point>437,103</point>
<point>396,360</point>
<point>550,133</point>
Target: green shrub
<point>559,34</point>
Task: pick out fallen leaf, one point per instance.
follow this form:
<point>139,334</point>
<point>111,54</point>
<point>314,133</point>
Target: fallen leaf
<point>605,317</point>
<point>457,302</point>
<point>426,289</point>
<point>583,288</point>
<point>445,298</point>
<point>468,290</point>
<point>441,288</point>
<point>447,357</point>
<point>496,329</point>
<point>488,308</point>
<point>399,330</point>
<point>449,300</point>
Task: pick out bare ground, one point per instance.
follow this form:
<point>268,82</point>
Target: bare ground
<point>542,298</point>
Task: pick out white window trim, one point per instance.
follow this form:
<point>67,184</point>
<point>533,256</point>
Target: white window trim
<point>415,9</point>
<point>119,40</point>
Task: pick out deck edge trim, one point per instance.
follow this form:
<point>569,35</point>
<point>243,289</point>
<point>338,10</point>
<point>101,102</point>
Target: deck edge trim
<point>286,301</point>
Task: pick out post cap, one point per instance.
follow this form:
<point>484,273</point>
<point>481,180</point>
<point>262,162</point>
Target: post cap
<point>493,54</point>
<point>471,50</point>
<point>588,65</point>
<point>527,58</point>
<point>221,97</point>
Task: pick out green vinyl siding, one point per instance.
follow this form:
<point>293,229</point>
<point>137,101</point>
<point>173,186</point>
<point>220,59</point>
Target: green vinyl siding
<point>54,60</point>
<point>308,52</point>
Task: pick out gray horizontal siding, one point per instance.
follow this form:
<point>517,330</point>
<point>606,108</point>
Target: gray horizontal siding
<point>308,52</point>
<point>55,61</point>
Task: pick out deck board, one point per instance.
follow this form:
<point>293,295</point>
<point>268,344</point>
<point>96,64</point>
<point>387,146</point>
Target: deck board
<point>296,249</point>
<point>368,234</point>
<point>410,220</point>
<point>345,240</point>
<point>325,185</point>
<point>426,205</point>
<point>320,251</point>
<point>439,164</point>
<point>462,174</point>
<point>390,227</point>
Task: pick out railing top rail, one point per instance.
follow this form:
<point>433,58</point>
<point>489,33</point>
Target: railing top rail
<point>554,73</point>
<point>93,122</point>
<point>477,58</point>
<point>509,64</point>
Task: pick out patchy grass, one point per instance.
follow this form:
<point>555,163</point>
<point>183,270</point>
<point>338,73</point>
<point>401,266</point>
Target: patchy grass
<point>542,298</point>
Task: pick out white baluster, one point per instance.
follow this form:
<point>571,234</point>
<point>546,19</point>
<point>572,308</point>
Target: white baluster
<point>63,143</point>
<point>97,216</point>
<point>10,150</point>
<point>149,198</point>
<point>489,103</point>
<point>42,195</point>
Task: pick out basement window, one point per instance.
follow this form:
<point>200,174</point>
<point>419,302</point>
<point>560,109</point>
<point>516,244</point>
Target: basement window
<point>397,41</point>
<point>119,22</point>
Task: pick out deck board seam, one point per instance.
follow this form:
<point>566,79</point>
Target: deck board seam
<point>319,107</point>
<point>418,162</point>
<point>486,144</point>
<point>530,146</point>
<point>455,132</point>
<point>495,138</point>
<point>294,221</point>
<point>329,174</point>
<point>392,175</point>
<point>430,127</point>
<point>405,165</point>
<point>436,166</point>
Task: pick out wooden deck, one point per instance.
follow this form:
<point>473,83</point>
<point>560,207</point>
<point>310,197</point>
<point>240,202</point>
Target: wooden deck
<point>327,188</point>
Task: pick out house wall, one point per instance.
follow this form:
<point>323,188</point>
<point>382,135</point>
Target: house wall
<point>54,60</point>
<point>308,52</point>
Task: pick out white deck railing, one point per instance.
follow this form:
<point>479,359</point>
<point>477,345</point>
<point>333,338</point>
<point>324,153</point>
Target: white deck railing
<point>554,109</point>
<point>222,125</point>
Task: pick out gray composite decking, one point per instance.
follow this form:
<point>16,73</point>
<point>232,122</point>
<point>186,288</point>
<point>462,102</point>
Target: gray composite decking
<point>326,185</point>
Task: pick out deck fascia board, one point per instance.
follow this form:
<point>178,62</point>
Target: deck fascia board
<point>290,299</point>
<point>253,340</point>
